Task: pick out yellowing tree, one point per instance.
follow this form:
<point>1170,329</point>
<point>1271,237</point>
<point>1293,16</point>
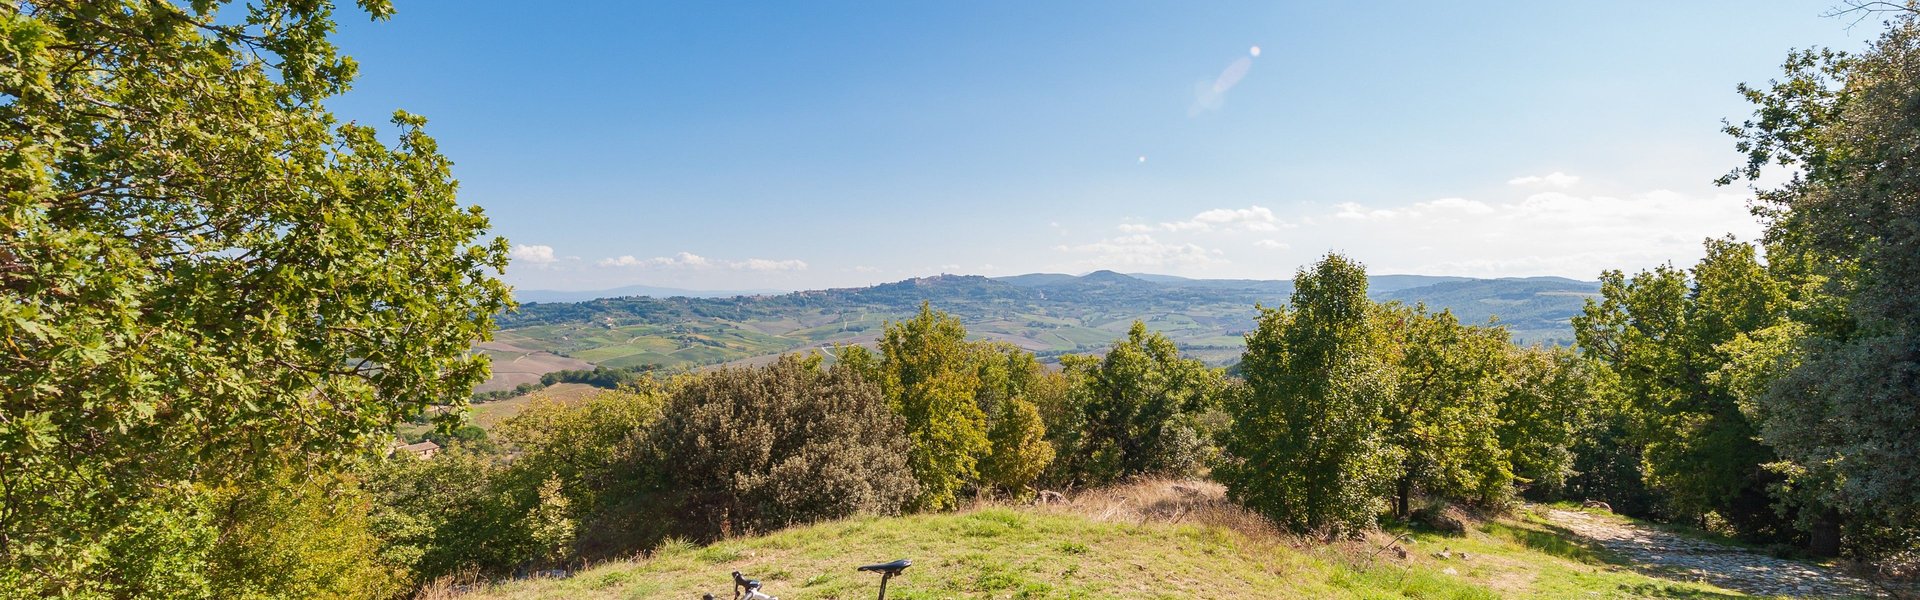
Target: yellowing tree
<point>928,372</point>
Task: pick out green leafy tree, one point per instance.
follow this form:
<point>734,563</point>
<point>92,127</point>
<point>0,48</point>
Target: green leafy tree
<point>199,265</point>
<point>1548,405</point>
<point>455,512</point>
<point>929,374</point>
<point>301,535</point>
<point>1661,332</point>
<point>1838,397</point>
<point>1305,443</point>
<point>1020,449</point>
<point>1443,416</point>
<point>1142,404</point>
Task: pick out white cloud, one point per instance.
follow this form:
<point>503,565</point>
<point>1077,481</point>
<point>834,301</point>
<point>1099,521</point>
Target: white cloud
<point>1428,209</point>
<point>1539,234</point>
<point>691,261</point>
<point>1273,244</point>
<point>1349,210</point>
<point>1252,218</point>
<point>1142,250</point>
<point>1554,179</point>
<point>532,255</point>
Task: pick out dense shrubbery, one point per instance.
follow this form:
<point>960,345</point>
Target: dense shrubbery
<point>754,449</point>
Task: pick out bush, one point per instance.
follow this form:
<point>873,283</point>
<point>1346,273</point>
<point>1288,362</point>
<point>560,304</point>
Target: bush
<point>454,512</point>
<point>1141,410</point>
<point>756,449</point>
<point>577,448</point>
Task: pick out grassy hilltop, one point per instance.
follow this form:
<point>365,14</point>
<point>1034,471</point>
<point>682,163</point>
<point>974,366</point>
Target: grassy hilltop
<point>1151,540</point>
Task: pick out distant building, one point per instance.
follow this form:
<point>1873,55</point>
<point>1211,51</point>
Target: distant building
<point>424,449</point>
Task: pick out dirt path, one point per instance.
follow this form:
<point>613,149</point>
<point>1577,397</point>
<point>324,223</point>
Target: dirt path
<point>1733,568</point>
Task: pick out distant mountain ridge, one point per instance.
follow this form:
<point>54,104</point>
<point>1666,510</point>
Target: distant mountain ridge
<point>1047,313</point>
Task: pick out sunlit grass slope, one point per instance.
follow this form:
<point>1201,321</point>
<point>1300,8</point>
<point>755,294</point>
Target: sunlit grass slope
<point>1155,540</point>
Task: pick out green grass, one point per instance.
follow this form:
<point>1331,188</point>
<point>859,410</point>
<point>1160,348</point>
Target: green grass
<point>1022,552</point>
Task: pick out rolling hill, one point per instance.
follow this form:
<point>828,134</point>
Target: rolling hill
<point>1047,313</point>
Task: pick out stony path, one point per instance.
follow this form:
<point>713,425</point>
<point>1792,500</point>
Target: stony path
<point>1729,567</point>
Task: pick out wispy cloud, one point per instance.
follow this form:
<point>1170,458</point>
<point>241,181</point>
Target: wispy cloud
<point>1555,179</point>
<point>1142,250</point>
<point>691,261</point>
<point>1252,218</point>
<point>1272,244</point>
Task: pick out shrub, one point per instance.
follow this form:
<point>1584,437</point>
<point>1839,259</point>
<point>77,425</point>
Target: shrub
<point>756,449</point>
<point>1020,447</point>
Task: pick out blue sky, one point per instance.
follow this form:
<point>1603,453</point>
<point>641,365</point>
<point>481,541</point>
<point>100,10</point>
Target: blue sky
<point>817,144</point>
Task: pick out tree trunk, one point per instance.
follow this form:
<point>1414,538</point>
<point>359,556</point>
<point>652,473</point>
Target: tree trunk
<point>1824,539</point>
<point>1403,498</point>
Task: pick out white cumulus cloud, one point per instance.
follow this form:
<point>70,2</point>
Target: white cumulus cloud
<point>532,255</point>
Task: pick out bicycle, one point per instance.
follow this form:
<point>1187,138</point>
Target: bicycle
<point>749,589</point>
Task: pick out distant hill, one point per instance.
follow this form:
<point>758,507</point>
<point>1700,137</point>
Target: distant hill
<point>1535,309</point>
<point>529,296</point>
<point>1047,313</point>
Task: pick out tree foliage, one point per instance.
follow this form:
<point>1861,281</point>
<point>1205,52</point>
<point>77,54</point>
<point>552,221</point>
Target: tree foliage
<point>1547,407</point>
<point>1020,451</point>
<point>1142,409</point>
<point>200,265</point>
<point>1306,442</point>
<point>458,511</point>
<point>929,374</point>
<point>1843,405</point>
<point>1662,332</point>
<point>756,449</point>
<point>583,446</point>
<point>1443,416</point>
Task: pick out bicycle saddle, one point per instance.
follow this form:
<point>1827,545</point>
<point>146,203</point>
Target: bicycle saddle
<point>892,568</point>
